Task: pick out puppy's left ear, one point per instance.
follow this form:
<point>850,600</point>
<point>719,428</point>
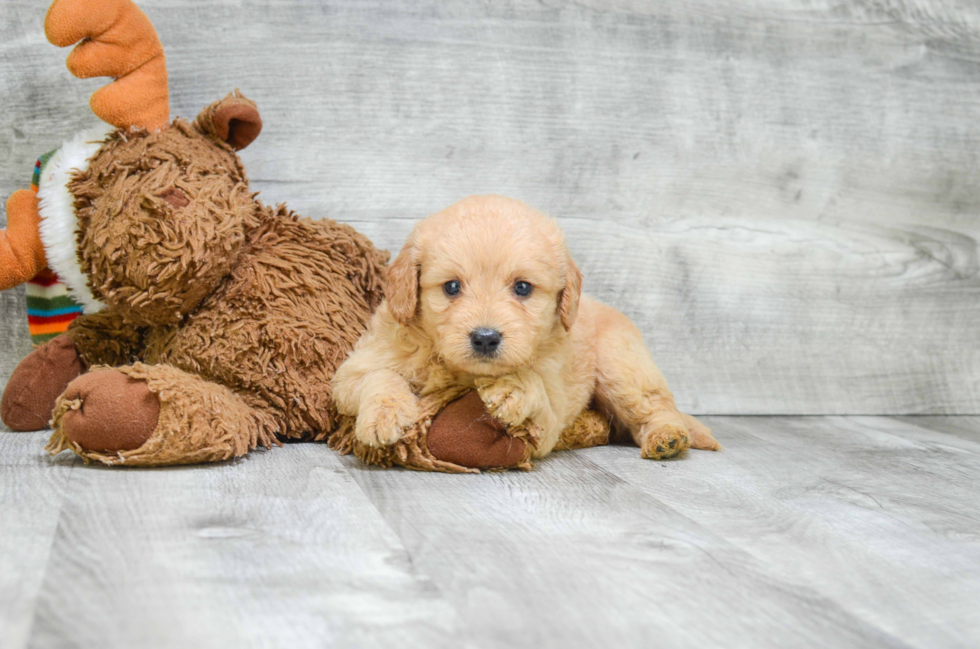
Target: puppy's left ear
<point>569,296</point>
<point>402,282</point>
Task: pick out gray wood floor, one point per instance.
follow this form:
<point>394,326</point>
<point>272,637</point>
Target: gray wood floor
<point>822,531</point>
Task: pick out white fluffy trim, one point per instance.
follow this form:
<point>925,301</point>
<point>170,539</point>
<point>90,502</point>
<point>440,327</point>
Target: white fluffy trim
<point>59,224</point>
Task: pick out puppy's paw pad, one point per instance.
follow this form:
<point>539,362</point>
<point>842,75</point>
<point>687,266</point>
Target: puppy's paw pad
<point>664,442</point>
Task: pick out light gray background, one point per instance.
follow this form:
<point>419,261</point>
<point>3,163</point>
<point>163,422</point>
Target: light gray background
<point>781,193</point>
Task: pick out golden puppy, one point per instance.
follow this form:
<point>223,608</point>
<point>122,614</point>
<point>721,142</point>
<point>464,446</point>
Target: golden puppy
<point>485,294</point>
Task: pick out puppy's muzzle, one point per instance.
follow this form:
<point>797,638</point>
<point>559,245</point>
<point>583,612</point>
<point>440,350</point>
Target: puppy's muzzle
<point>484,341</point>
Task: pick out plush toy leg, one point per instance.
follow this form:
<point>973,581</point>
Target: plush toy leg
<point>412,451</point>
<point>151,415</point>
<point>464,433</point>
<point>29,398</point>
<point>457,435</point>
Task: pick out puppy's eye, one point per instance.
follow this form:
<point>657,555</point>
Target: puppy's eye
<point>452,287</point>
<point>522,289</point>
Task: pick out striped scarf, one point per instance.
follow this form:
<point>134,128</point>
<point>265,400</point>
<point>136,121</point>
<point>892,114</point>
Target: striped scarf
<point>50,309</point>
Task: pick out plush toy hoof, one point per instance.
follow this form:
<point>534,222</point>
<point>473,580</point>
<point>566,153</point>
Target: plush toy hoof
<point>464,433</point>
<point>109,411</point>
<point>35,385</point>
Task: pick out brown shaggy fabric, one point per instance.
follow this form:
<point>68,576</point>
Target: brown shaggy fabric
<point>198,421</point>
<point>109,411</point>
<point>28,400</point>
<point>152,262</point>
<point>104,338</point>
<point>476,450</point>
<point>298,299</point>
<point>239,305</point>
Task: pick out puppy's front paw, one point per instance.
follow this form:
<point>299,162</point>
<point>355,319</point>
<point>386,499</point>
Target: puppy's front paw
<point>505,399</point>
<point>384,423</point>
<point>665,441</point>
<point>529,431</point>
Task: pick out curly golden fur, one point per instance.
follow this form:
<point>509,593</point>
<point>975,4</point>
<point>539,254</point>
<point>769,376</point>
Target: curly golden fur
<point>558,351</point>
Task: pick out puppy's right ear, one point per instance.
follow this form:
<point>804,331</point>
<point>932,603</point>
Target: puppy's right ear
<point>402,282</point>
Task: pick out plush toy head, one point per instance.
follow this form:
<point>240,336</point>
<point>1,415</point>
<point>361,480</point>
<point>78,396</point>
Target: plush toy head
<point>162,217</point>
<point>141,214</point>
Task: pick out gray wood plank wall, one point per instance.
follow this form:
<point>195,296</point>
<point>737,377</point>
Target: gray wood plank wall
<point>782,193</point>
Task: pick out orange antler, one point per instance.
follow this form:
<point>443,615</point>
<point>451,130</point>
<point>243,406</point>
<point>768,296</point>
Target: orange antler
<point>117,40</point>
<point>21,250</point>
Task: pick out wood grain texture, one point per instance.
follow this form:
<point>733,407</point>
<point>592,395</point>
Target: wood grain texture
<point>781,193</point>
<point>32,493</point>
<point>801,532</point>
<point>572,556</point>
<point>967,428</point>
<point>879,515</point>
<point>279,550</point>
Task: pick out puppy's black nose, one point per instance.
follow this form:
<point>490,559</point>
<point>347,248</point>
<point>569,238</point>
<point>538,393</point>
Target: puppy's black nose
<point>485,341</point>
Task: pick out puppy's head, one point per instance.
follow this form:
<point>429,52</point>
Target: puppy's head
<point>489,280</point>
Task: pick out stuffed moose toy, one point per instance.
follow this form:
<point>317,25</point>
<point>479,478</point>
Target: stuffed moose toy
<point>180,320</point>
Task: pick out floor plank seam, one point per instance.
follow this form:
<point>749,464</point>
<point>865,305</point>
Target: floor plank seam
<point>54,536</point>
<point>815,592</point>
<point>416,570</point>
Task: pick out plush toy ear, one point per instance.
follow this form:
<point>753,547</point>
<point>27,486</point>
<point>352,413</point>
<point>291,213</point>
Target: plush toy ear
<point>569,296</point>
<point>234,119</point>
<point>402,282</point>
